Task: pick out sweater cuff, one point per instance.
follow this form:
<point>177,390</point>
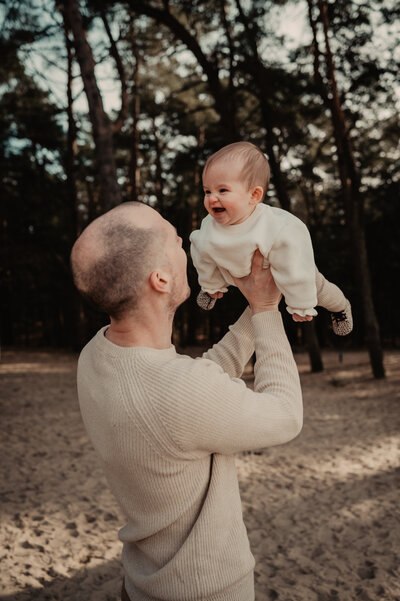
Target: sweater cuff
<point>302,312</point>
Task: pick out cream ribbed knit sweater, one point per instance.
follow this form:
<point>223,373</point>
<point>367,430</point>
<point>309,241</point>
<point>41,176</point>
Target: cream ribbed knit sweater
<point>165,427</point>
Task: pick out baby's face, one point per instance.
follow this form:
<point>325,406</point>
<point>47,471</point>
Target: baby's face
<point>226,196</point>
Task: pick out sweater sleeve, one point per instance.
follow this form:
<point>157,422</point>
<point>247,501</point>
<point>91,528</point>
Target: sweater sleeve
<point>292,265</point>
<point>213,413</point>
<point>233,352</point>
<point>210,277</point>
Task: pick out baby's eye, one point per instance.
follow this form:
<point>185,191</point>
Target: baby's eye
<point>222,190</point>
<point>206,191</point>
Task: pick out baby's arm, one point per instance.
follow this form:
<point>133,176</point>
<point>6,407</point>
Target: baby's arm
<point>292,265</point>
<point>210,277</point>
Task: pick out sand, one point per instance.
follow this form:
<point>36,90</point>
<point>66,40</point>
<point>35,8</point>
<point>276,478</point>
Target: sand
<point>322,512</point>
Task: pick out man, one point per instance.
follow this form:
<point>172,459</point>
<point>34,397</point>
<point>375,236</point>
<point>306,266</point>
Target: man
<point>165,425</point>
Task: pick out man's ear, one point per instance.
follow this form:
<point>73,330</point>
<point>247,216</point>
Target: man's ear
<point>160,281</point>
<point>257,194</point>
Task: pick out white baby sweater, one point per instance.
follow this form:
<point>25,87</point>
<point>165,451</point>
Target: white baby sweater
<point>219,251</point>
<point>165,427</point>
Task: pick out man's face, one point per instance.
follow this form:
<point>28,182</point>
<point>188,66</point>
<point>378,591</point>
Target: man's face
<point>226,197</point>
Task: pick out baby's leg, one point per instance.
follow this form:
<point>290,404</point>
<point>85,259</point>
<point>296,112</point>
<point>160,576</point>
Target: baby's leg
<point>332,298</point>
<point>329,295</point>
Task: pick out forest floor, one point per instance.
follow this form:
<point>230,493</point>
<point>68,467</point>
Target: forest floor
<point>322,512</point>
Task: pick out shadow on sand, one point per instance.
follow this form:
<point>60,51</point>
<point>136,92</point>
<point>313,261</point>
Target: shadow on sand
<point>100,583</point>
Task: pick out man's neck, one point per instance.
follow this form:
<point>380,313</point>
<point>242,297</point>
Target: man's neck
<point>144,330</point>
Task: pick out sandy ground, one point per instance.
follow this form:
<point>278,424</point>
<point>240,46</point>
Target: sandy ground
<point>322,512</point>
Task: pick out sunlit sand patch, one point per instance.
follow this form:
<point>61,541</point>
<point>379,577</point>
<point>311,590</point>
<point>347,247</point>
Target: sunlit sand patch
<point>352,460</point>
<point>321,511</point>
<point>33,368</point>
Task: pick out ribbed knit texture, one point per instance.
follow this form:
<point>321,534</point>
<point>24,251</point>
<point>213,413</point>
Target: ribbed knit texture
<point>165,427</point>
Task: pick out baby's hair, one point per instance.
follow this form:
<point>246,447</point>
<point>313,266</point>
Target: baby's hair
<point>255,167</point>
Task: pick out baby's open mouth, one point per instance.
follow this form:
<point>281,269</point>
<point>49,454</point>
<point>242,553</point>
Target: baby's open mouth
<point>218,210</point>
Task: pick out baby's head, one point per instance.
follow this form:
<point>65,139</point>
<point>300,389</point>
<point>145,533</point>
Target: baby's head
<point>235,180</point>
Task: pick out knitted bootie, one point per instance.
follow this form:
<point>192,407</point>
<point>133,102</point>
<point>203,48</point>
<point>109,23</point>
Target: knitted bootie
<point>342,321</point>
<point>205,301</point>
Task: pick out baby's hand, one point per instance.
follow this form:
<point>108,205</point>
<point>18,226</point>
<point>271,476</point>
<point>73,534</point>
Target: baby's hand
<point>297,317</point>
<point>216,294</point>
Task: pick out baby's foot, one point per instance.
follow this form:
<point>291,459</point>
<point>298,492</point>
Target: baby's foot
<point>205,301</point>
<point>342,321</point>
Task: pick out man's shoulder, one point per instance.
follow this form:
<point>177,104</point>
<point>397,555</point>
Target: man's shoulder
<point>189,374</point>
<point>91,346</point>
<point>186,365</point>
<point>174,384</point>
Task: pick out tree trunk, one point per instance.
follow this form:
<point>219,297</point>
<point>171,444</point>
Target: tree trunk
<point>135,169</point>
<point>350,183</point>
<point>276,171</point>
<point>196,196</point>
<point>229,93</point>
<point>258,69</point>
<point>278,179</point>
<point>159,183</point>
<point>71,142</point>
<point>73,306</point>
<point>110,195</point>
<point>123,113</point>
<point>312,346</point>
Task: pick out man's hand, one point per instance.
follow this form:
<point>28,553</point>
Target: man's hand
<point>216,294</point>
<point>259,287</point>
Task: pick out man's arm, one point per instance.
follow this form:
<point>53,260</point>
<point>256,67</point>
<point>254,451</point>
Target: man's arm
<point>233,352</point>
<point>212,413</point>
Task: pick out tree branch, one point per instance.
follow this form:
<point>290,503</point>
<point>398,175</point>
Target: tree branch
<point>123,113</point>
<point>318,79</point>
<point>209,69</point>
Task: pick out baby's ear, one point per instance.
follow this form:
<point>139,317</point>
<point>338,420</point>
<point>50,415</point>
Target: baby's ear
<point>257,194</point>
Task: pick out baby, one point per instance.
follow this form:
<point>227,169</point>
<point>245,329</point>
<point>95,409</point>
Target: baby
<point>235,180</point>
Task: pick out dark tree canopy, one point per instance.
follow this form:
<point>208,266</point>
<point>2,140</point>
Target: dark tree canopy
<point>103,102</point>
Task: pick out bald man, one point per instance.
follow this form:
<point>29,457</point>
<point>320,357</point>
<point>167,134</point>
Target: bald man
<point>166,426</point>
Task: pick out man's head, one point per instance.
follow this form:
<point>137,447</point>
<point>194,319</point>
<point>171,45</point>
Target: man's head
<point>235,179</point>
<point>124,255</point>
